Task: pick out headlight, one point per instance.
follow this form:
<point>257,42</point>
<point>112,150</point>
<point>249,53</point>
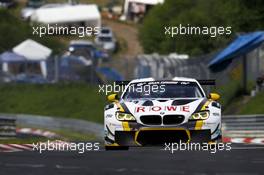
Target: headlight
<point>203,115</point>
<point>125,117</point>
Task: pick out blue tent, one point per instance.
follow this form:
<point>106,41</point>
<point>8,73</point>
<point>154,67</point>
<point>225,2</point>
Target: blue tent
<point>11,57</point>
<point>110,74</point>
<point>241,46</point>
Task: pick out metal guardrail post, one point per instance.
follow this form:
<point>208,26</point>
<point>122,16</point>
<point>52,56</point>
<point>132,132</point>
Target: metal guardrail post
<point>7,127</point>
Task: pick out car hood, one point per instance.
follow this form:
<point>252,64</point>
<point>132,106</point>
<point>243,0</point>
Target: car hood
<point>108,45</point>
<point>185,107</point>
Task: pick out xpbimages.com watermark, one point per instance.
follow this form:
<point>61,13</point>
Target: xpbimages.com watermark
<point>212,31</point>
<point>146,88</point>
<point>212,147</point>
<point>58,145</point>
<point>56,29</point>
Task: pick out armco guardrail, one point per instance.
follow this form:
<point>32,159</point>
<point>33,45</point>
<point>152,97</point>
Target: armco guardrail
<point>243,125</point>
<point>7,126</point>
<point>233,125</point>
<point>56,123</point>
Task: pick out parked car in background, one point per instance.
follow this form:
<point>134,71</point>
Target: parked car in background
<point>87,49</point>
<point>106,40</point>
<point>31,6</point>
<point>7,3</point>
<point>82,47</point>
<point>74,68</point>
<point>106,31</point>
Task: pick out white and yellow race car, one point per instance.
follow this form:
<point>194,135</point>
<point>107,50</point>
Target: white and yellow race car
<point>155,112</point>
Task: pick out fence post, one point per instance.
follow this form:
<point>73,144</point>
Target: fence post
<point>56,71</point>
<point>244,62</point>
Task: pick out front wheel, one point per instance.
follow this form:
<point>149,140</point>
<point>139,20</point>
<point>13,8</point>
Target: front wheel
<point>218,139</point>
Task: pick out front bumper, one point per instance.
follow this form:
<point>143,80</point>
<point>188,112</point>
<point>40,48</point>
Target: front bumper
<point>160,136</point>
<point>135,134</point>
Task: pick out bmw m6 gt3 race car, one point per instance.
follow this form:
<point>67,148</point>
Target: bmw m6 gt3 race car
<point>152,112</point>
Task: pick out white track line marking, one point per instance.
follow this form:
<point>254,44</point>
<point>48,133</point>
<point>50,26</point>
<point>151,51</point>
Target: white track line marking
<point>247,148</point>
<point>26,165</point>
<point>67,167</point>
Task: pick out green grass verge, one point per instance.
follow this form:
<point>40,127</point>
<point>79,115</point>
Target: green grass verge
<point>254,106</point>
<point>78,101</point>
<point>228,92</point>
<point>68,135</point>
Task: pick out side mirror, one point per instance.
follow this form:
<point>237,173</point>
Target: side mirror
<point>112,97</point>
<point>214,96</point>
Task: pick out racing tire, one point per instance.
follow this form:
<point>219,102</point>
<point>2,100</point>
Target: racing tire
<point>218,139</point>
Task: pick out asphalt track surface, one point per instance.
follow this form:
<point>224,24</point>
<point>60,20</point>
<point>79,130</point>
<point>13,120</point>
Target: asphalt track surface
<point>242,159</point>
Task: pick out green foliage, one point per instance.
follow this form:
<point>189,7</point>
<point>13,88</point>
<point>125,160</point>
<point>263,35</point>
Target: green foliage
<point>228,92</point>
<point>254,106</point>
<point>62,100</point>
<point>13,31</point>
<point>242,16</point>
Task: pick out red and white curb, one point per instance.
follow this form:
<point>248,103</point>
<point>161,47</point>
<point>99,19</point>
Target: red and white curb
<point>31,147</point>
<point>28,147</point>
<point>15,147</point>
<point>37,132</point>
<point>245,140</point>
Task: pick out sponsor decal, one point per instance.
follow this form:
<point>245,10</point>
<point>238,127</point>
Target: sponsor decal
<point>114,125</point>
<point>216,114</point>
<point>139,109</point>
<point>109,116</point>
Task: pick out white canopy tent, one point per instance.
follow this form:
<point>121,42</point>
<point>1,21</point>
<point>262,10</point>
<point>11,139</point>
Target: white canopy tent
<point>146,2</point>
<point>33,51</point>
<point>10,57</point>
<point>63,14</point>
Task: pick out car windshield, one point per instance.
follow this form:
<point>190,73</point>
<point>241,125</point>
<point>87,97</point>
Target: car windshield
<point>105,39</point>
<point>105,31</point>
<point>35,3</point>
<point>174,89</point>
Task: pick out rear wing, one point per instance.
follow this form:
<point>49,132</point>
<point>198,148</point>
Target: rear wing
<point>207,82</point>
<point>210,82</point>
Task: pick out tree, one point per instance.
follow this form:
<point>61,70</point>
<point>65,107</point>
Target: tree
<point>13,31</point>
<point>242,16</point>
